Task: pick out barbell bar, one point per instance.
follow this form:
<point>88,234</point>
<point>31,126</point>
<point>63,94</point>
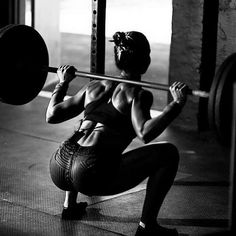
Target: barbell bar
<point>150,85</point>
<point>24,64</point>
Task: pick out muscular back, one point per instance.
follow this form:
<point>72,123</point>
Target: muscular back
<point>97,90</point>
<point>121,95</point>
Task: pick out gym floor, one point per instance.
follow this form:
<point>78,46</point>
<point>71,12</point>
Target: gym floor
<point>30,204</point>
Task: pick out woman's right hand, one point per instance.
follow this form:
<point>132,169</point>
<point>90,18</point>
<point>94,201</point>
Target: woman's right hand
<point>179,92</point>
<point>66,73</point>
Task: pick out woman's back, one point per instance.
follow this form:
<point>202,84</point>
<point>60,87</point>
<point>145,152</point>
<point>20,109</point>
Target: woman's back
<point>107,121</point>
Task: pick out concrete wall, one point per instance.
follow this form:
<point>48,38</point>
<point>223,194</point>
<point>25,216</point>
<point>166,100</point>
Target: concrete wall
<point>226,41</point>
<point>47,24</point>
<point>185,53</point>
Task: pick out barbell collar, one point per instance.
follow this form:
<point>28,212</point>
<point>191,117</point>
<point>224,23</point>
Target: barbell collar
<point>150,85</point>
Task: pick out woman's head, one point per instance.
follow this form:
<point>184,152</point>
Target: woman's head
<point>132,52</point>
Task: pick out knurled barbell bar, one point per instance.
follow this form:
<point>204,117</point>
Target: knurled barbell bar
<point>24,66</point>
<point>151,85</point>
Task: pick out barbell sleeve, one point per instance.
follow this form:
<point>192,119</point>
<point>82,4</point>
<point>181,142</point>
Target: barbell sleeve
<point>151,85</point>
<point>199,93</point>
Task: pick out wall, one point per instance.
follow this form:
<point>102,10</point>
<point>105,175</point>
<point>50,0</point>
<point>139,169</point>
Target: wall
<point>185,54</point>
<point>226,44</point>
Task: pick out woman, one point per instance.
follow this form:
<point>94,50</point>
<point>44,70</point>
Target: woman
<point>92,161</point>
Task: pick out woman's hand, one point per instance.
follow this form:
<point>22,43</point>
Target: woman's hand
<point>66,73</point>
<point>179,92</point>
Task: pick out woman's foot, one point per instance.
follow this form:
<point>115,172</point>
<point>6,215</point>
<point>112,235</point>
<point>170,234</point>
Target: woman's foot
<point>155,231</point>
<point>74,212</point>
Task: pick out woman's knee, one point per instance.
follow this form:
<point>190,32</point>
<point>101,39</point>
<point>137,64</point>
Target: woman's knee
<point>172,154</point>
<point>169,154</point>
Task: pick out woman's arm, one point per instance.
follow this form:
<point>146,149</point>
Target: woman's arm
<point>148,128</point>
<point>59,110</point>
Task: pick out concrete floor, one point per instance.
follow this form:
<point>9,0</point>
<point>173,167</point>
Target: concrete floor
<point>30,204</point>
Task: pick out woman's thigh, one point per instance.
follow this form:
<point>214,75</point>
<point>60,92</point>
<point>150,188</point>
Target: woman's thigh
<point>137,165</point>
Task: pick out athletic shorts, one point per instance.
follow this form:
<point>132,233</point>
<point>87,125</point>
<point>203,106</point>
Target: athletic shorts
<point>77,168</point>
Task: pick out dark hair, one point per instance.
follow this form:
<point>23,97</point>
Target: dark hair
<point>132,51</point>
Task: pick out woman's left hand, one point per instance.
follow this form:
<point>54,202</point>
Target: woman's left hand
<point>179,92</point>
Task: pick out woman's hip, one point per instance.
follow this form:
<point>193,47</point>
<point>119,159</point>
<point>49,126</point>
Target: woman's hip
<point>74,167</point>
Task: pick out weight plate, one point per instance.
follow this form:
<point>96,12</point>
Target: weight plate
<point>224,101</point>
<point>220,99</point>
<point>23,55</point>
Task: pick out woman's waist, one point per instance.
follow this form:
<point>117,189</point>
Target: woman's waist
<point>121,126</point>
<point>98,138</point>
<point>120,130</point>
<point>104,137</point>
<point>104,143</point>
<point>71,151</point>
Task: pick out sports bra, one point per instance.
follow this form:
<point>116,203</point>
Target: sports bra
<point>107,114</point>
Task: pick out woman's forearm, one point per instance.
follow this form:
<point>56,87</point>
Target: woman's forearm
<point>57,97</point>
<point>60,110</point>
<point>155,126</point>
<point>59,92</point>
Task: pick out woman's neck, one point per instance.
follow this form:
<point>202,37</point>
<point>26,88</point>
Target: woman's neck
<point>130,76</point>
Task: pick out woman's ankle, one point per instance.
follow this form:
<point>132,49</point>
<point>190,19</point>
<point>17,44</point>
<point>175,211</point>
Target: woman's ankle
<point>148,224</point>
<point>70,199</point>
<point>74,212</point>
<point>151,228</point>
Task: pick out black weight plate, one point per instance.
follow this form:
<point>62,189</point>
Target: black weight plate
<point>224,101</point>
<point>220,99</point>
<point>23,54</point>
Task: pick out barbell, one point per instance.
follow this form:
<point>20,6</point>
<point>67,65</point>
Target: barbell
<point>24,64</point>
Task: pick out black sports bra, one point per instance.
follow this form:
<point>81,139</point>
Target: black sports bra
<point>107,114</point>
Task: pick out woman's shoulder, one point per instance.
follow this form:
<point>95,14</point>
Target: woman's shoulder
<point>143,93</point>
<point>144,96</point>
